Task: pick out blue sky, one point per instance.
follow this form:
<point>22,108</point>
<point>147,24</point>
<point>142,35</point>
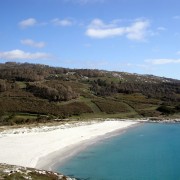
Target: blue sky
<point>138,36</point>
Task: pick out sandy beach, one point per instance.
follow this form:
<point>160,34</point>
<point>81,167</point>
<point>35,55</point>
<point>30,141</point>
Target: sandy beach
<point>39,147</point>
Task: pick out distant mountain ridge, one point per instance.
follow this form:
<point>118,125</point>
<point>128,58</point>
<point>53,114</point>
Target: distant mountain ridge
<point>10,65</point>
<point>39,93</point>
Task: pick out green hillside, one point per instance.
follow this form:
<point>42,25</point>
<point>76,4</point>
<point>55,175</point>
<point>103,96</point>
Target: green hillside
<point>34,93</point>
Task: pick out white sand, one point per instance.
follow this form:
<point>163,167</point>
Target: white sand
<point>26,147</point>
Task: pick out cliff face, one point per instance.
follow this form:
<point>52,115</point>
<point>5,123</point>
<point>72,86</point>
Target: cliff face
<point>11,172</point>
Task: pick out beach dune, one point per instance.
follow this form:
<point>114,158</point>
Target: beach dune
<point>35,148</point>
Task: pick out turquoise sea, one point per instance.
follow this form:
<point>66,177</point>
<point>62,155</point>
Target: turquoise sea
<point>150,151</point>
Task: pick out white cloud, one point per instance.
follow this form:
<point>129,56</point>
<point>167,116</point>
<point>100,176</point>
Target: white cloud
<point>99,24</point>
<point>104,33</point>
<point>62,22</point>
<point>136,31</point>
<point>163,61</point>
<point>19,54</point>
<point>30,42</point>
<point>28,23</point>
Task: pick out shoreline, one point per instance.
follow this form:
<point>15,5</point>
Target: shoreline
<point>58,158</point>
<point>45,147</point>
<point>40,149</point>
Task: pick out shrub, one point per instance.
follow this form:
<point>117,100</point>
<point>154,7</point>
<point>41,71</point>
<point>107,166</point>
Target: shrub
<point>166,109</point>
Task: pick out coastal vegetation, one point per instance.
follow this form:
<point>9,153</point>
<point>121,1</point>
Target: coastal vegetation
<point>33,93</point>
<point>10,172</point>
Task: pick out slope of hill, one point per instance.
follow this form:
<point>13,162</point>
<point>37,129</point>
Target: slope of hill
<point>10,172</point>
<point>38,93</point>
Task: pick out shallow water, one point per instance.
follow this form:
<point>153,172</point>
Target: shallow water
<point>147,152</point>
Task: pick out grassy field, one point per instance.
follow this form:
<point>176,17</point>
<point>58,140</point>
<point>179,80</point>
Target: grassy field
<point>17,110</point>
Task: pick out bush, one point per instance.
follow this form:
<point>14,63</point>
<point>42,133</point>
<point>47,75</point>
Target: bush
<point>166,109</point>
<point>178,108</point>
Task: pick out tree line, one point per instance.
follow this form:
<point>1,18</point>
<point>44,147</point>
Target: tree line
<point>53,91</point>
<point>166,91</point>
